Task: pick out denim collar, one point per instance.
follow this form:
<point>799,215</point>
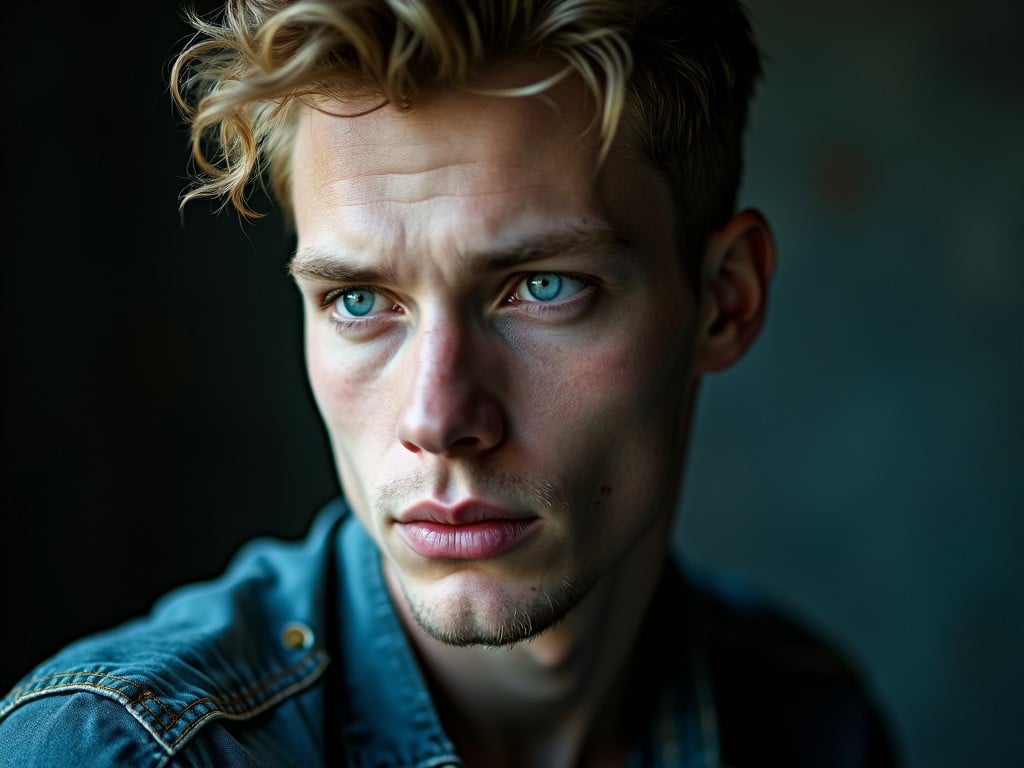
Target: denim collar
<point>388,717</point>
<point>387,714</point>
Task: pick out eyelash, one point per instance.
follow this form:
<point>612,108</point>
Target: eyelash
<point>512,299</point>
<point>343,324</point>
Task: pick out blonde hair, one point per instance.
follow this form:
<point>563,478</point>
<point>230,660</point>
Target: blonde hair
<point>674,77</point>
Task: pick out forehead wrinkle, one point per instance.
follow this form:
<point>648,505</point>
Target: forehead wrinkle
<point>438,196</point>
<point>439,181</point>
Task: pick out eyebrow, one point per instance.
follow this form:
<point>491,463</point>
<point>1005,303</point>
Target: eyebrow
<point>318,264</point>
<point>315,263</point>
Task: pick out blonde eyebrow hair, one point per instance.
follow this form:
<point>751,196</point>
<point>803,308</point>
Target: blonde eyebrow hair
<point>315,263</point>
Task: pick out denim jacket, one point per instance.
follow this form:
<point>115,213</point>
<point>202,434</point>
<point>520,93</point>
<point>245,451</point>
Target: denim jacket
<point>296,657</point>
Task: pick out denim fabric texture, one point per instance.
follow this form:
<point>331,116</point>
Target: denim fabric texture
<point>296,657</point>
<point>161,690</point>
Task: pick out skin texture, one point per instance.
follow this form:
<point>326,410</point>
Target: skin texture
<point>558,425</point>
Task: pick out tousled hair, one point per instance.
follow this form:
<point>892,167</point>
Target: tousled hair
<point>672,78</point>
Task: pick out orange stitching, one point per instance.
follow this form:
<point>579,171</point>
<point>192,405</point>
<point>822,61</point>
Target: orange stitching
<point>215,712</point>
<point>143,695</point>
<point>148,695</point>
<point>15,692</point>
<point>72,685</point>
<point>247,693</point>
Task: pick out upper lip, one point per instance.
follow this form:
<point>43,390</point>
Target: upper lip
<point>463,513</point>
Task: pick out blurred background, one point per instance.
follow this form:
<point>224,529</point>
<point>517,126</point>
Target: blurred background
<point>863,464</point>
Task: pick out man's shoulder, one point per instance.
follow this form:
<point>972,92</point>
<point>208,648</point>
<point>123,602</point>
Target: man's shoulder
<point>224,650</point>
<point>738,619</point>
<point>783,687</point>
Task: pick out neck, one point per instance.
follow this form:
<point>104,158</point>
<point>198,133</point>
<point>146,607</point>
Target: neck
<point>555,700</point>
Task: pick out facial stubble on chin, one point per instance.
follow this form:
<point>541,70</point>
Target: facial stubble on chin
<point>463,621</point>
<point>465,624</point>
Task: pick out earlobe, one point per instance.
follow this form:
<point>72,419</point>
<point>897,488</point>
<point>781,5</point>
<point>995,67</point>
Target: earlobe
<point>739,261</point>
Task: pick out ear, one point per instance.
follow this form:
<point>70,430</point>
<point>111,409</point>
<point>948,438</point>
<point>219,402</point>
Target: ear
<point>739,261</point>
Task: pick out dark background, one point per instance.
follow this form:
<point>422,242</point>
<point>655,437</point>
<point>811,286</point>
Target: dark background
<point>864,463</point>
<point>156,411</point>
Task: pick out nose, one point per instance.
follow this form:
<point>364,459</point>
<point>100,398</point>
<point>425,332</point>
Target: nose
<point>450,405</point>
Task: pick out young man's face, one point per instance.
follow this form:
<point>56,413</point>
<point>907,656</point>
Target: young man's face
<point>501,347</point>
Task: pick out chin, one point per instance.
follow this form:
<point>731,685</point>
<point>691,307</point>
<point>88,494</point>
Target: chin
<point>472,614</point>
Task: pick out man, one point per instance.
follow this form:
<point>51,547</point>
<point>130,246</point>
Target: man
<point>518,254</point>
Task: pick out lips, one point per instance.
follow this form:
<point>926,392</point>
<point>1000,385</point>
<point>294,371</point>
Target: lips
<point>467,531</point>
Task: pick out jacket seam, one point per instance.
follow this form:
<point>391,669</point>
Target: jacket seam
<point>137,703</point>
<point>264,705</point>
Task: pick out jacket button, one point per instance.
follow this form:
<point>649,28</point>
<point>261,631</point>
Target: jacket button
<point>296,636</point>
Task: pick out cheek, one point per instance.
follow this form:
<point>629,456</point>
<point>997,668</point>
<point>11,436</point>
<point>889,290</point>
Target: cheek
<point>611,434</point>
<point>352,405</point>
<point>605,399</point>
<point>349,392</point>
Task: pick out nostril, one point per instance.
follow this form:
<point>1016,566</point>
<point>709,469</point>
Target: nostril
<point>464,428</point>
<point>469,441</point>
<point>450,406</point>
<point>409,446</point>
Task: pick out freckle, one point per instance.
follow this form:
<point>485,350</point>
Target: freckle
<point>606,490</point>
<point>533,589</point>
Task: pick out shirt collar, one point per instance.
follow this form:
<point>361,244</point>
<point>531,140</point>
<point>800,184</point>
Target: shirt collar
<point>389,718</point>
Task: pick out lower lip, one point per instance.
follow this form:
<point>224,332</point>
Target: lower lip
<point>474,541</point>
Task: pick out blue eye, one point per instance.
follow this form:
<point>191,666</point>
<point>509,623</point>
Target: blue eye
<point>545,287</point>
<point>358,302</point>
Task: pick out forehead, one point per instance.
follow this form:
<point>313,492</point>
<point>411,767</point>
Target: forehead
<point>462,170</point>
<point>523,134</point>
<point>500,112</point>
